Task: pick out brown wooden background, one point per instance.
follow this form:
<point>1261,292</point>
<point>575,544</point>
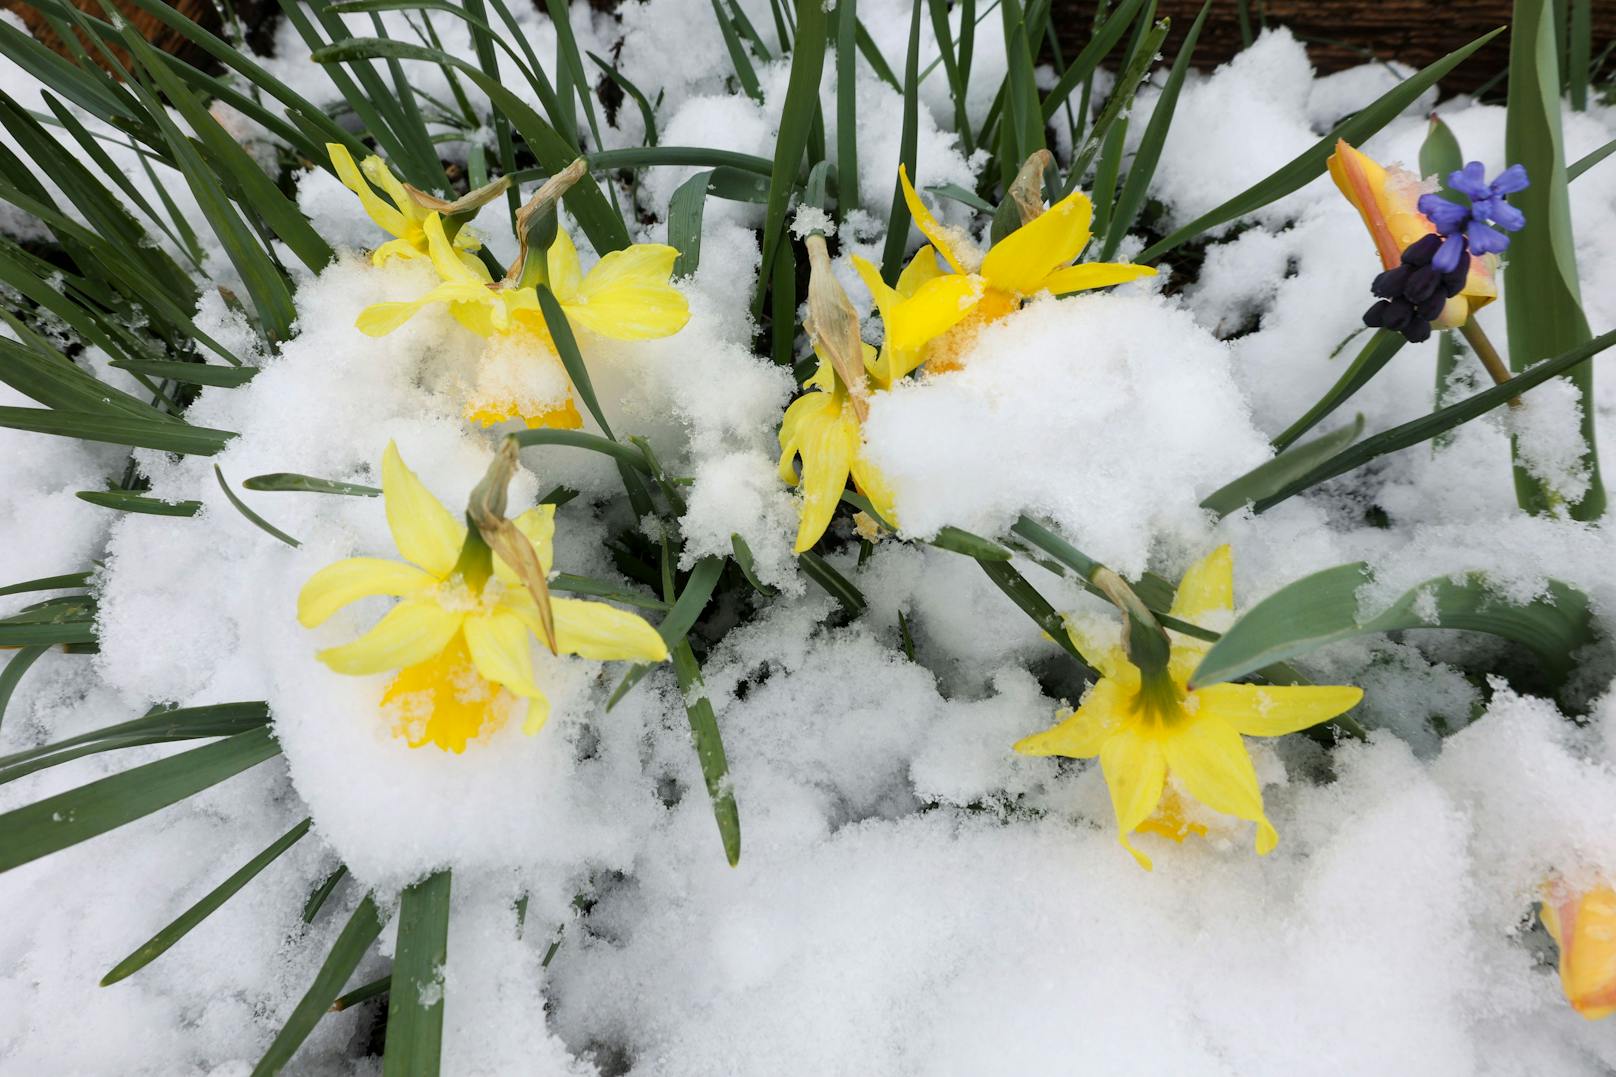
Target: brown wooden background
<point>1339,33</point>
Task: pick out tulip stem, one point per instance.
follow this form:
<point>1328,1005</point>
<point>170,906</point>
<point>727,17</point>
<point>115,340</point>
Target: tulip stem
<point>1476,337</point>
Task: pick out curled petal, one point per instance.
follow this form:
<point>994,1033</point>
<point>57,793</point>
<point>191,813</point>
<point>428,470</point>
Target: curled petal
<point>387,217</point>
<point>942,240</point>
<point>1021,261</point>
<point>337,585</point>
<point>500,649</point>
<point>423,529</point>
<point>825,435</point>
<point>412,632</point>
<point>448,260</point>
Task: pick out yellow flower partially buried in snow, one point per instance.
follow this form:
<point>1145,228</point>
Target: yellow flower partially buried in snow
<point>475,300</point>
<point>1583,925</point>
<point>1034,258</point>
<point>404,219</point>
<point>1388,202</point>
<point>460,633</point>
<point>821,428</point>
<point>1144,730</point>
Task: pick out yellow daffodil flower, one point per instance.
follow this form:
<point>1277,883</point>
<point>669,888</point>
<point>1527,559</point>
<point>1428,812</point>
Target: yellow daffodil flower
<point>1388,201</point>
<point>1583,925</point>
<point>1144,730</point>
<point>1034,258</point>
<point>821,427</point>
<point>405,219</point>
<point>475,300</point>
<point>459,636</point>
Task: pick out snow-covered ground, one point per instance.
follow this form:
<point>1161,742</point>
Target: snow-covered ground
<point>914,898</point>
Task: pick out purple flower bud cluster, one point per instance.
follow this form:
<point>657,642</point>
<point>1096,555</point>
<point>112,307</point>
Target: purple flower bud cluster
<point>1413,294</point>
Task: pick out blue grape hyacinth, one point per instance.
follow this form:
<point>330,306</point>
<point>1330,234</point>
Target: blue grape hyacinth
<point>1479,227</point>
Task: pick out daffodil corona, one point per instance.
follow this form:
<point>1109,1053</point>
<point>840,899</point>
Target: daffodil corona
<point>460,634</point>
<point>1147,729</point>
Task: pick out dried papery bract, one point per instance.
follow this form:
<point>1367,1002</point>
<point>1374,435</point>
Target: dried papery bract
<point>1146,642</point>
<point>466,205</point>
<point>1027,189</point>
<point>832,324</point>
<point>485,510</point>
<point>536,224</point>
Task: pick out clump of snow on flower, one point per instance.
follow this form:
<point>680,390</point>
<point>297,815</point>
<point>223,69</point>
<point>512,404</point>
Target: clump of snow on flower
<point>1111,415</point>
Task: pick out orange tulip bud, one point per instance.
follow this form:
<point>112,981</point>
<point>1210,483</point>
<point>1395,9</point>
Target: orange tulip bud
<point>1584,925</point>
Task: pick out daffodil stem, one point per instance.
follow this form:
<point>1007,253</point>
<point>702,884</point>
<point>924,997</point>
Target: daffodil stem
<point>1494,364</point>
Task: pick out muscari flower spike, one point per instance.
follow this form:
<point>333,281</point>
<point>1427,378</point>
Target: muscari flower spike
<point>1149,727</point>
<point>1480,226</point>
<point>460,635</point>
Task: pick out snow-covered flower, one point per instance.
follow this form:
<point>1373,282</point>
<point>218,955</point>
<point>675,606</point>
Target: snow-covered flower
<point>1389,201</point>
<point>1035,258</point>
<point>460,632</point>
<point>1583,924</point>
<point>1144,728</point>
<point>405,219</point>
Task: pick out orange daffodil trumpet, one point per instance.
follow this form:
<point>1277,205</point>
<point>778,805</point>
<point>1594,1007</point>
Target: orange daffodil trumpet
<point>1388,201</point>
<point>461,633</point>
<point>1583,924</point>
<point>1149,727</point>
<point>981,287</point>
<point>627,295</point>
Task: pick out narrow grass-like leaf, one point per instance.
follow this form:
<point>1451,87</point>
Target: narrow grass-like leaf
<point>11,676</point>
<point>228,377</point>
<point>49,377</point>
<point>580,439</point>
<point>673,157</point>
<point>692,600</point>
<point>128,501</point>
<point>1323,608</point>
<point>797,114</point>
<point>847,197</point>
<point>1310,164</point>
<point>288,482</point>
<point>154,947</point>
<point>908,147</point>
<point>709,750</point>
<point>1023,134</point>
<point>956,540</point>
<point>213,720</point>
<point>1544,299</point>
<point>1145,159</point>
<point>322,893</point>
<point>47,583</point>
<point>839,587</point>
<point>361,930</point>
<point>1083,64</point>
<point>118,430</point>
<point>1587,161</point>
<point>1374,355</point>
<point>685,211</point>
<point>1272,475</point>
<point>415,999</point>
<point>1030,602</point>
<point>255,519</point>
<point>1440,421</point>
<point>743,561</point>
<point>745,74</point>
<point>635,94</point>
<point>1579,52</point>
<point>57,822</point>
<point>363,993</point>
<point>566,345</point>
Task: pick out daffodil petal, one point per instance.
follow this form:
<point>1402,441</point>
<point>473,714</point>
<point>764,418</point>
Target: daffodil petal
<point>411,632</point>
<point>538,524</point>
<point>1208,586</point>
<point>500,649</point>
<point>1104,655</point>
<point>886,297</point>
<point>626,296</point>
<point>921,268</point>
<point>1082,733</point>
<point>538,713</point>
<point>873,485</point>
<point>935,308</point>
<point>377,172</point>
<point>447,260</point>
<point>386,217</point>
<point>1210,759</point>
<point>337,585</point>
<point>1136,772</point>
<point>827,440</point>
<point>928,224</point>
<point>1021,261</point>
<point>395,248</point>
<point>1080,278</point>
<point>605,633</point>
<point>1273,710</point>
<point>379,319</point>
<point>423,529</point>
<point>562,270</point>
